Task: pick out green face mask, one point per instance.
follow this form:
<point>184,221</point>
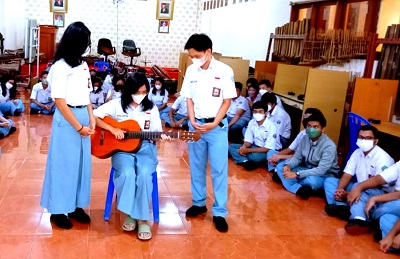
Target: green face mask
<point>312,133</point>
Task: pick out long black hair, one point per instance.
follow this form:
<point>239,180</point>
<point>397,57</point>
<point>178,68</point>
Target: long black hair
<point>162,89</point>
<point>114,82</point>
<point>13,91</point>
<point>132,85</point>
<point>96,79</point>
<point>73,44</point>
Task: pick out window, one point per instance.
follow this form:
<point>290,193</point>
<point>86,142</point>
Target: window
<point>356,15</point>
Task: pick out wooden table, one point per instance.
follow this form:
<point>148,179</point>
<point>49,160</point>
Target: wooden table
<point>389,128</point>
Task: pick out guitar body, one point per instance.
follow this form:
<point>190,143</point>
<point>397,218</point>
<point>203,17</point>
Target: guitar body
<point>104,143</point>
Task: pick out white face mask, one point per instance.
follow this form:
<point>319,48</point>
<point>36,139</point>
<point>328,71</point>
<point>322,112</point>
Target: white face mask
<point>263,91</point>
<point>269,107</point>
<point>158,87</point>
<point>258,116</point>
<point>199,61</point>
<point>9,85</point>
<point>87,52</point>
<point>138,98</point>
<point>365,145</point>
<point>95,88</point>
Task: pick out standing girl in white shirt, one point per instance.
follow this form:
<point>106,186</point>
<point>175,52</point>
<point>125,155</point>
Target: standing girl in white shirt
<point>66,186</point>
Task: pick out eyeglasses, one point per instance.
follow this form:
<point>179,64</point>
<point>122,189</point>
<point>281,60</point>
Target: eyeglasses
<point>366,138</point>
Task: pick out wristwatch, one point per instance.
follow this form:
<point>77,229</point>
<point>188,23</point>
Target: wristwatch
<point>298,174</point>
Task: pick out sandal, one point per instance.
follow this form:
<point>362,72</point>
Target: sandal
<point>142,230</point>
<point>129,224</point>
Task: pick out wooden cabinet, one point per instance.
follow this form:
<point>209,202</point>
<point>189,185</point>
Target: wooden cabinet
<point>48,35</point>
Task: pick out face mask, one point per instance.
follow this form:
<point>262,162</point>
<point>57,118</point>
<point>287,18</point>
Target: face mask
<point>199,61</point>
<point>365,145</point>
<point>95,88</point>
<point>269,107</point>
<point>87,52</point>
<point>158,87</point>
<point>138,98</point>
<point>9,85</point>
<point>263,91</point>
<point>258,116</point>
<point>312,133</point>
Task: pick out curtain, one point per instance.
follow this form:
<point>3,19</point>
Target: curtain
<point>12,23</point>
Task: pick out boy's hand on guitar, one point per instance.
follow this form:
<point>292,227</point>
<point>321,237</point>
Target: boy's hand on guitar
<point>165,137</point>
<point>118,133</point>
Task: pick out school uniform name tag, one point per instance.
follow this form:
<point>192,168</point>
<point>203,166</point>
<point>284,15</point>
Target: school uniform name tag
<point>216,92</point>
<point>146,124</point>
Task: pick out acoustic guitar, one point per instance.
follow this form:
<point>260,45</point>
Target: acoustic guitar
<point>104,143</point>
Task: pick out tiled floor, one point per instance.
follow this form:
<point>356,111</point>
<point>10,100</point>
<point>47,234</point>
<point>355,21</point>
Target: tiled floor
<point>265,221</point>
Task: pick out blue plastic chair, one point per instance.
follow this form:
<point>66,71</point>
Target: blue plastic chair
<point>355,122</point>
<point>110,194</point>
<point>102,66</point>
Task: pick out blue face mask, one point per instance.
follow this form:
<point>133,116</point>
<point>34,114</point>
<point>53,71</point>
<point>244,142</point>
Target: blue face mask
<point>313,133</point>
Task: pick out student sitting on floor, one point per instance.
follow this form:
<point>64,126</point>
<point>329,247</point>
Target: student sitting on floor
<point>366,161</point>
<point>274,156</point>
<point>253,94</point>
<point>373,198</point>
<point>390,231</point>
<point>118,86</point>
<point>238,115</point>
<point>280,118</point>
<point>41,101</point>
<point>260,137</point>
<point>6,126</point>
<point>8,103</point>
<point>266,87</point>
<point>177,115</point>
<point>314,160</point>
<point>159,96</point>
<point>96,96</point>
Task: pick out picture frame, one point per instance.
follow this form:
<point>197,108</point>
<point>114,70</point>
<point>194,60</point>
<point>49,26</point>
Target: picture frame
<point>59,6</point>
<point>165,9</point>
<point>59,19</point>
<point>163,26</point>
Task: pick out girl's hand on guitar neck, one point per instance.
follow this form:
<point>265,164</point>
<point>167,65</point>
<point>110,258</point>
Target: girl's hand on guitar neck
<point>165,137</point>
<point>118,133</point>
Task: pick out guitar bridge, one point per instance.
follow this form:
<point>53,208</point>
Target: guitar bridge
<point>102,133</point>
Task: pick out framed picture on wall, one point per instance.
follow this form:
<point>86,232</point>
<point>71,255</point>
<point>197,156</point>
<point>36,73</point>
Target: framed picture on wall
<point>163,26</point>
<point>165,9</point>
<point>59,19</point>
<point>60,6</point>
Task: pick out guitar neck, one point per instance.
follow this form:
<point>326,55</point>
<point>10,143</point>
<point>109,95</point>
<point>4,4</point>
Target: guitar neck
<point>149,134</point>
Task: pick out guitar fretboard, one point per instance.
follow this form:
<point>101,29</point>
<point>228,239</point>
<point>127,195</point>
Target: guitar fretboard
<point>149,135</point>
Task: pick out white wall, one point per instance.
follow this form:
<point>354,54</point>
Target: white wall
<point>244,29</point>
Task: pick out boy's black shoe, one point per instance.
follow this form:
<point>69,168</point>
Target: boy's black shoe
<point>338,211</point>
<point>220,224</point>
<point>79,215</point>
<point>32,111</point>
<point>357,227</point>
<point>304,192</point>
<point>195,211</point>
<point>249,165</point>
<point>61,221</point>
<point>276,178</point>
<point>12,130</point>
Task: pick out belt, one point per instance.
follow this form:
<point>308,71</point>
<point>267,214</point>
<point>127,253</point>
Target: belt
<point>208,120</point>
<point>77,106</point>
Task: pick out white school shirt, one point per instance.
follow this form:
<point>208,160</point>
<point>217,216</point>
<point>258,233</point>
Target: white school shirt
<point>180,105</point>
<point>70,83</point>
<point>208,88</point>
<point>282,121</point>
<point>364,167</point>
<point>392,174</point>
<point>97,99</point>
<point>107,84</point>
<point>114,109</point>
<point>263,135</point>
<point>240,103</point>
<point>293,146</point>
<point>258,98</point>
<point>4,98</point>
<point>157,98</point>
<point>41,95</point>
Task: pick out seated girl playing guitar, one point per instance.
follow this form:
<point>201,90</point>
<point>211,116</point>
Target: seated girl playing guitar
<point>132,177</point>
